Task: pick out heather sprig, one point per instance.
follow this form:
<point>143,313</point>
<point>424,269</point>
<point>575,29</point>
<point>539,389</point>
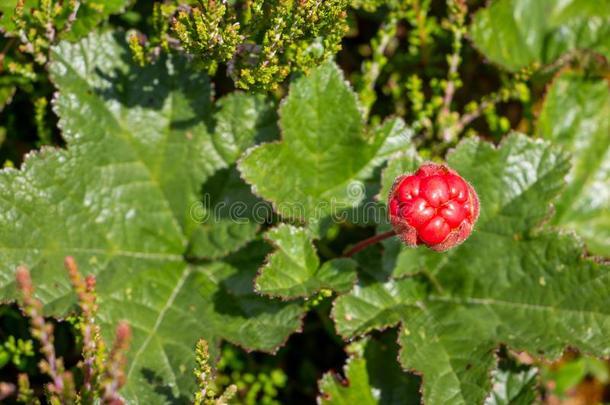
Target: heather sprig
<point>209,32</point>
<point>43,332</point>
<point>206,381</point>
<point>260,42</point>
<point>456,25</point>
<point>39,27</point>
<point>93,345</point>
<point>103,374</point>
<point>25,393</point>
<point>371,68</point>
<point>114,375</point>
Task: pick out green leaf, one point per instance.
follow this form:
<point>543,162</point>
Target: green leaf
<point>375,305</point>
<point>517,33</point>
<point>372,376</point>
<point>576,115</point>
<point>118,199</point>
<point>243,120</point>
<point>513,387</point>
<point>511,282</point>
<point>229,215</point>
<point>214,301</point>
<point>325,149</point>
<point>294,270</point>
<point>376,301</point>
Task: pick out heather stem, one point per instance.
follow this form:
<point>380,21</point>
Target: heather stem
<point>367,242</point>
<point>74,6</point>
<point>90,331</point>
<point>42,330</point>
<point>115,376</point>
<point>371,69</point>
<point>471,116</point>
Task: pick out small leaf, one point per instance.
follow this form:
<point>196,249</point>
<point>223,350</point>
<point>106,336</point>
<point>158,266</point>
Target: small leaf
<point>325,150</point>
<point>576,115</point>
<point>294,270</point>
<point>517,33</point>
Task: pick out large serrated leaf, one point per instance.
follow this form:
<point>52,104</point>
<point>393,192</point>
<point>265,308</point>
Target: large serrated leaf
<point>511,282</point>
<point>325,149</point>
<point>576,114</point>
<point>118,199</point>
<point>229,213</point>
<point>227,216</point>
<point>517,33</point>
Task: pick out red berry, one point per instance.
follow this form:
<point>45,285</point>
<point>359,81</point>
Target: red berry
<point>434,206</point>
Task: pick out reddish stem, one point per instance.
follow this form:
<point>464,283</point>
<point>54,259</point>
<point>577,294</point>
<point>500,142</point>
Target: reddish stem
<point>367,242</point>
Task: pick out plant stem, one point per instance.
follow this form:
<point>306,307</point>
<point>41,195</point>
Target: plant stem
<point>454,61</point>
<point>458,12</point>
<point>469,117</point>
<point>367,242</point>
<point>371,69</point>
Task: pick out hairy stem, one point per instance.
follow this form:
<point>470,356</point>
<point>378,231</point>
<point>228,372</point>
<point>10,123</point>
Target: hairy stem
<point>367,242</point>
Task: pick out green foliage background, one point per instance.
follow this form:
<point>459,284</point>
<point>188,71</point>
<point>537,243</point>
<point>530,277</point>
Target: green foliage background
<point>119,119</point>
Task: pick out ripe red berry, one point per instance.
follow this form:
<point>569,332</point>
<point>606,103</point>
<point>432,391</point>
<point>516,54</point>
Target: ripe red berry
<point>435,207</point>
